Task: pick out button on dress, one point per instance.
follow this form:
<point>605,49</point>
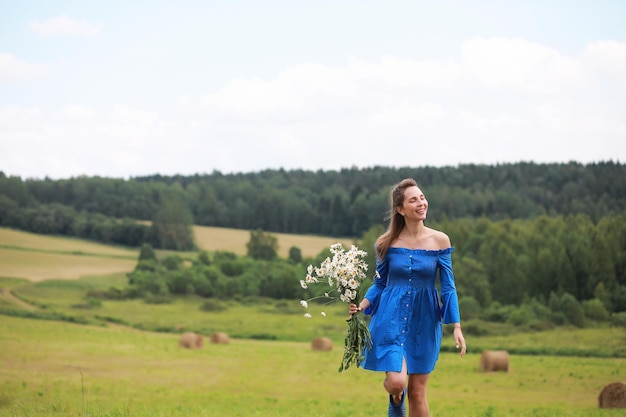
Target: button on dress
<point>407,309</point>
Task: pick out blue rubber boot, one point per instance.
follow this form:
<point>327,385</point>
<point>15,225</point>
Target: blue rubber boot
<point>397,410</point>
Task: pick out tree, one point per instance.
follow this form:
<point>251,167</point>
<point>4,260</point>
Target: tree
<point>171,226</point>
<point>262,245</point>
<point>497,254</point>
<point>471,280</point>
<point>147,253</point>
<point>367,244</point>
<point>295,254</point>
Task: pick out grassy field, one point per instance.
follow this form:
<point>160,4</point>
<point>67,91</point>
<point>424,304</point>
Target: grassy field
<point>62,369</point>
<point>40,257</point>
<point>117,365</point>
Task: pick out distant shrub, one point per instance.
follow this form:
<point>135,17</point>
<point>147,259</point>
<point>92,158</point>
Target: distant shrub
<point>219,256</point>
<point>157,299</point>
<point>88,304</point>
<point>520,316</point>
<point>231,268</point>
<point>470,308</point>
<point>172,262</point>
<point>132,292</point>
<point>262,336</point>
<point>147,253</point>
<point>213,305</point>
<point>45,315</point>
<point>110,319</point>
<point>497,312</point>
<point>287,307</point>
<point>148,265</point>
<point>540,325</point>
<point>203,258</point>
<point>618,319</point>
<point>558,318</point>
<point>595,310</point>
<point>295,254</point>
<point>475,329</point>
<point>572,310</point>
<point>110,294</point>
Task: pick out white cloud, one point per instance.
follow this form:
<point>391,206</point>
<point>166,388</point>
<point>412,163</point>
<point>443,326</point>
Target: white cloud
<point>14,70</point>
<point>487,124</point>
<point>63,25</point>
<point>423,113</point>
<point>404,73</point>
<point>75,113</point>
<point>75,140</point>
<point>519,65</point>
<point>15,118</point>
<point>605,62</point>
<point>503,100</point>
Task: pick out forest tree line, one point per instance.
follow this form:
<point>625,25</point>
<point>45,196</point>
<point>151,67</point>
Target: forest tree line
<point>344,203</point>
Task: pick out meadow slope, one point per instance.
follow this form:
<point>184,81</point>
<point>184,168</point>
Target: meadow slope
<point>50,367</point>
<point>61,369</point>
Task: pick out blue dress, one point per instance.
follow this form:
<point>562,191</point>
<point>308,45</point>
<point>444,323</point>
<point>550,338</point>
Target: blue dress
<point>407,311</point>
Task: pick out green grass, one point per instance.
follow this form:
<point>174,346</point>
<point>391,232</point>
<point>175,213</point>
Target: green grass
<point>53,367</point>
<point>281,319</point>
<point>61,369</point>
<point>270,319</point>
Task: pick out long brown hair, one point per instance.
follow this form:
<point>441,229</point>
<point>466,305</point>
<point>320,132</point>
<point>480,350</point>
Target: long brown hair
<point>396,220</point>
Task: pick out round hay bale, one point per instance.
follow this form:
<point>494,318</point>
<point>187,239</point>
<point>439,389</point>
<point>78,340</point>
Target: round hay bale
<point>322,343</point>
<point>190,340</point>
<point>613,395</point>
<point>494,360</point>
<point>220,338</point>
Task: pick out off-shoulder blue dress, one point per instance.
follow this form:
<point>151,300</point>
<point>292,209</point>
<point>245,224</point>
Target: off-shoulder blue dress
<point>407,311</point>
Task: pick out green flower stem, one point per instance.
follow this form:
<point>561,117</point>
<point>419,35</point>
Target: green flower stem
<point>357,341</point>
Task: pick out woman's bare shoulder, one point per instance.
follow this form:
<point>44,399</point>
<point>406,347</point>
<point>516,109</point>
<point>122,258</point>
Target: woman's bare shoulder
<point>440,238</point>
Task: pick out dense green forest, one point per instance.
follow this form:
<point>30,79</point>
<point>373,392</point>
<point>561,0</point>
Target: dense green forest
<point>535,244</point>
<point>343,203</point>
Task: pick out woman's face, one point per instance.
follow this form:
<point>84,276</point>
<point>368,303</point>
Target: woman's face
<point>414,205</point>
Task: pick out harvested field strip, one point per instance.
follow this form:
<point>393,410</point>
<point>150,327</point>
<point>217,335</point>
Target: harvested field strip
<point>74,252</point>
<point>19,239</point>
<point>38,266</point>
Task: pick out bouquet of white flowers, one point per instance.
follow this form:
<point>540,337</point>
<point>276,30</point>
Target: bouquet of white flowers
<point>344,273</point>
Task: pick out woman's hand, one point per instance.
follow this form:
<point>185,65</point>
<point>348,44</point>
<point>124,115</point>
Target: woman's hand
<point>353,308</point>
<point>459,340</point>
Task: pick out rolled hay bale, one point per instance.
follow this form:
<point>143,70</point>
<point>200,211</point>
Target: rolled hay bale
<point>613,395</point>
<point>190,340</point>
<point>322,343</point>
<point>220,338</point>
<point>494,360</point>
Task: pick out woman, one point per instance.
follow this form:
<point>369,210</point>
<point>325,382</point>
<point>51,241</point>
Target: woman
<point>407,312</point>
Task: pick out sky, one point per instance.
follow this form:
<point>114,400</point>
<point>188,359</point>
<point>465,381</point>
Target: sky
<point>132,88</point>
